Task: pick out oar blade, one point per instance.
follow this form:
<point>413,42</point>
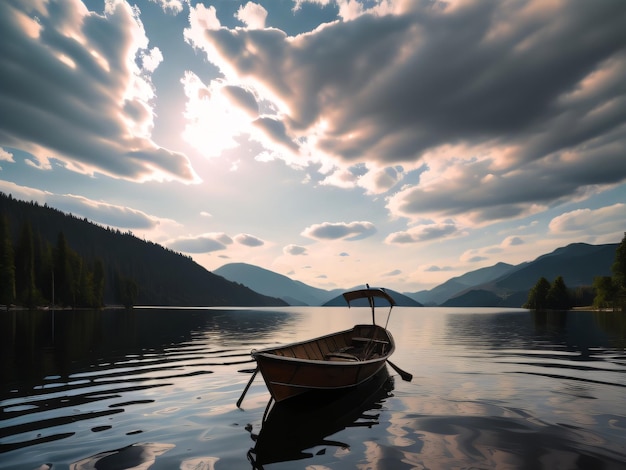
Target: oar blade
<point>403,374</point>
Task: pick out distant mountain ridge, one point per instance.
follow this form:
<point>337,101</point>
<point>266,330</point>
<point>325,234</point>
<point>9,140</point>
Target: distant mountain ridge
<point>577,263</point>
<point>275,285</point>
<point>500,285</point>
<point>165,277</point>
<point>401,300</point>
<point>448,289</point>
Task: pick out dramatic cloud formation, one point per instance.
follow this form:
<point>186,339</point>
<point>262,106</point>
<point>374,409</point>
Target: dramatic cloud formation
<point>382,93</point>
<point>84,95</point>
<point>437,137</point>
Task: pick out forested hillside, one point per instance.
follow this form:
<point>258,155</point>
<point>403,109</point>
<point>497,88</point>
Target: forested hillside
<point>90,265</point>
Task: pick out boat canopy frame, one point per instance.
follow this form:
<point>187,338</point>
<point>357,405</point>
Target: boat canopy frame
<point>370,293</point>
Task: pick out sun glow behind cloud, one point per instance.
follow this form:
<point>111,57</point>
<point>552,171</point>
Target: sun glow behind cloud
<point>213,121</point>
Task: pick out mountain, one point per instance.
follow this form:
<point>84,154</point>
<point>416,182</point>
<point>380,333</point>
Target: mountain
<point>164,277</point>
<point>274,284</point>
<point>453,286</point>
<point>293,292</point>
<point>401,301</point>
<point>577,263</point>
<point>485,298</point>
<point>161,276</point>
<point>500,285</point>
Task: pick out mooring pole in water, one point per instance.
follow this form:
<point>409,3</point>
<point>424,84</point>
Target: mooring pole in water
<point>245,390</point>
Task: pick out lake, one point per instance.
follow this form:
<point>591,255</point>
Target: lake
<point>156,388</point>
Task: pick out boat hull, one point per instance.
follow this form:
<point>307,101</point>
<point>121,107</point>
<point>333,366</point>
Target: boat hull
<point>338,361</point>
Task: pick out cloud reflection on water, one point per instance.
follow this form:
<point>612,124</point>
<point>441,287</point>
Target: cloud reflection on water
<point>474,435</point>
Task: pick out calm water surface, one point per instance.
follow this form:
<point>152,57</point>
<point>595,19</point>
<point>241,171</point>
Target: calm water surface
<point>156,388</point>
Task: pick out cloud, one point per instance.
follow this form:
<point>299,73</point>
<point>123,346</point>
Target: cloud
<point>436,269</point>
<point>151,59</point>
<point>103,213</point>
<point>6,156</point>
<point>79,90</point>
<point>340,178</point>
<point>395,272</point>
<point>242,98</point>
<point>522,114</point>
<point>591,222</point>
<point>253,15</point>
<point>298,3</point>
<point>275,130</point>
<point>341,230</point>
<point>205,243</point>
<point>477,258</point>
<point>513,241</point>
<point>381,180</point>
<point>513,246</point>
<point>173,6</point>
<point>24,193</point>
<point>96,211</point>
<point>248,240</point>
<point>295,250</point>
<point>474,192</point>
<point>423,233</point>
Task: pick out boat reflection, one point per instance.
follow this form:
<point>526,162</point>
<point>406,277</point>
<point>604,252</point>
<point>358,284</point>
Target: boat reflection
<point>290,429</point>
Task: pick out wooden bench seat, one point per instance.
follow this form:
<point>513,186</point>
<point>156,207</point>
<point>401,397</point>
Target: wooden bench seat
<point>357,339</point>
<point>343,356</point>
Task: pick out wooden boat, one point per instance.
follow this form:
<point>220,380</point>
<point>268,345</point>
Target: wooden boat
<point>335,361</point>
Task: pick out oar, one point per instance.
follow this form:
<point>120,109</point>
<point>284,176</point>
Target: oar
<point>245,390</point>
<point>405,375</point>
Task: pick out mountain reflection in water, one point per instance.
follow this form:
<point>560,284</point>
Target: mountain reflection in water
<point>156,388</point>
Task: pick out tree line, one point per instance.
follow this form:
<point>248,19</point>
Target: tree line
<point>33,272</point>
<point>608,292</point>
<point>136,271</point>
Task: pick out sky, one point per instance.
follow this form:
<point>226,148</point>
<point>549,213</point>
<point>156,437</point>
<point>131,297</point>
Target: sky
<point>398,143</point>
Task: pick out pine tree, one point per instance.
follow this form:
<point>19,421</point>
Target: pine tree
<point>63,275</point>
<point>25,267</point>
<point>606,292</point>
<point>44,261</point>
<point>84,293</point>
<point>7,266</point>
<point>538,295</point>
<point>98,283</point>
<point>619,265</point>
<point>558,296</point>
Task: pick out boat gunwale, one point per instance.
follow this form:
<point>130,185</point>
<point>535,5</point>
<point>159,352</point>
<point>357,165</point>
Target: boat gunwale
<point>324,362</point>
<point>317,338</point>
<point>269,352</point>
